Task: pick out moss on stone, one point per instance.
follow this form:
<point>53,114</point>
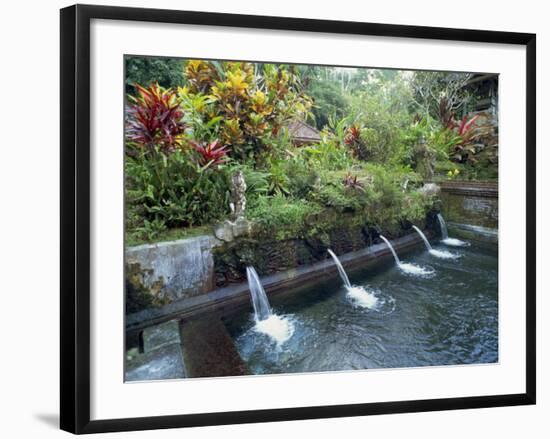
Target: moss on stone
<point>139,296</point>
<point>342,232</point>
<point>174,234</point>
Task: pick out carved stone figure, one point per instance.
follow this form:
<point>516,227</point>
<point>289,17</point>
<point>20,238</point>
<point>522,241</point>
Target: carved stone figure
<point>238,195</point>
<point>425,159</point>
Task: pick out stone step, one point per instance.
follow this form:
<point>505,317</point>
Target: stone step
<point>162,357</point>
<point>208,349</point>
<point>164,363</point>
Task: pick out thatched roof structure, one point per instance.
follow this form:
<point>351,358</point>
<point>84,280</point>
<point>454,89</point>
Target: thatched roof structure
<point>301,133</point>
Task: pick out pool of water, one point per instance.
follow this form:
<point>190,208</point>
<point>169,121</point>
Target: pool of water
<point>394,319</point>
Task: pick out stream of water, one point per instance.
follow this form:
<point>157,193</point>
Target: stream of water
<point>448,319</point>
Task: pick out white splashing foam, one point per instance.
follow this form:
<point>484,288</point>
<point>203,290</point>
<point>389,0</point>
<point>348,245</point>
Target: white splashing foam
<point>453,242</point>
<point>362,297</point>
<point>279,328</point>
<point>416,270</point>
<point>444,254</point>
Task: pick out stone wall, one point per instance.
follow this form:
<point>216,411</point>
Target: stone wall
<point>473,203</point>
<point>160,273</point>
<point>226,300</point>
<point>269,256</point>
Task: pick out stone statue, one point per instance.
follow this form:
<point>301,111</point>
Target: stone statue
<point>238,195</point>
<point>425,159</point>
<point>228,230</point>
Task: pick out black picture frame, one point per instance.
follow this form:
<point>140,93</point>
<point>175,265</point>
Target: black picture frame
<point>75,217</point>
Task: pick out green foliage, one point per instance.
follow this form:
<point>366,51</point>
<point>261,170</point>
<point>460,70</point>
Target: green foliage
<point>379,113</point>
<point>154,119</point>
<point>328,101</point>
<point>281,217</point>
<point>192,124</point>
<point>381,201</point>
<point>439,95</point>
<point>167,72</point>
<point>245,106</point>
<point>167,191</point>
<point>330,153</point>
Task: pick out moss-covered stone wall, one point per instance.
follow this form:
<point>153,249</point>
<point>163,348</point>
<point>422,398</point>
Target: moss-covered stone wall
<point>159,274</point>
<point>269,255</point>
<point>472,203</point>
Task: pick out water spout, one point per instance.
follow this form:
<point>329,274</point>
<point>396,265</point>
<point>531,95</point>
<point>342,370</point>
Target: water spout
<point>443,227</point>
<point>407,267</point>
<point>279,328</point>
<point>262,311</point>
<point>428,246</point>
<point>453,242</point>
<point>358,295</point>
<point>341,270</point>
<point>442,254</point>
<point>397,261</point>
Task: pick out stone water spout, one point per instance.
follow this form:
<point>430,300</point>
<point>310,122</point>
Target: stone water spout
<point>278,328</point>
<point>262,310</point>
<point>442,254</point>
<point>407,267</point>
<point>341,270</point>
<point>453,242</point>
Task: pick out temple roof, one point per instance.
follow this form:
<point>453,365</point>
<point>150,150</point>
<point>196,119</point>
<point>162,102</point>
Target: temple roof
<point>301,132</point>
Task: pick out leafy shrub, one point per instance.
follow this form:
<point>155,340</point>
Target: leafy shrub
<point>184,144</point>
<point>210,154</point>
<point>167,72</point>
<point>281,217</point>
<point>330,154</point>
<point>464,150</point>
<point>167,191</point>
<point>244,105</point>
<point>154,119</point>
<point>334,196</point>
<point>303,175</point>
<point>376,194</point>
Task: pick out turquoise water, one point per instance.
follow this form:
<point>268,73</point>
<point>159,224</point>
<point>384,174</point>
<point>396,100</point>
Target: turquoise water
<point>448,318</point>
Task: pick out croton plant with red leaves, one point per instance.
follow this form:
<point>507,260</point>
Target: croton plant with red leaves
<point>155,119</point>
<point>465,150</point>
<point>210,154</point>
<point>350,181</point>
<point>465,128</point>
<point>353,134</point>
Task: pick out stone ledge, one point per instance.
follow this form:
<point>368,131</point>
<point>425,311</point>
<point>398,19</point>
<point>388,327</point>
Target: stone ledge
<point>164,363</point>
<point>474,233</point>
<point>224,300</point>
<point>479,189</point>
<point>175,269</point>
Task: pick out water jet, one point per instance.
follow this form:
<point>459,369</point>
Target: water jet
<point>279,328</point>
<point>407,267</point>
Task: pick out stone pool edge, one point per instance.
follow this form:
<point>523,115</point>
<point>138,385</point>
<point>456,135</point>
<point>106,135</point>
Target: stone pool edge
<point>224,300</point>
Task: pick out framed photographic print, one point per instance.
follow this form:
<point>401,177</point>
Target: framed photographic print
<point>271,218</point>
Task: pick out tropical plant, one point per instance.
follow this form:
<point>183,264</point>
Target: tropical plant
<point>465,128</point>
<point>168,72</point>
<point>440,95</point>
<point>210,154</point>
<point>465,149</point>
<point>170,191</point>
<point>350,181</point>
<point>154,119</point>
<point>280,217</point>
<point>244,105</point>
<point>353,135</point>
<point>185,143</point>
